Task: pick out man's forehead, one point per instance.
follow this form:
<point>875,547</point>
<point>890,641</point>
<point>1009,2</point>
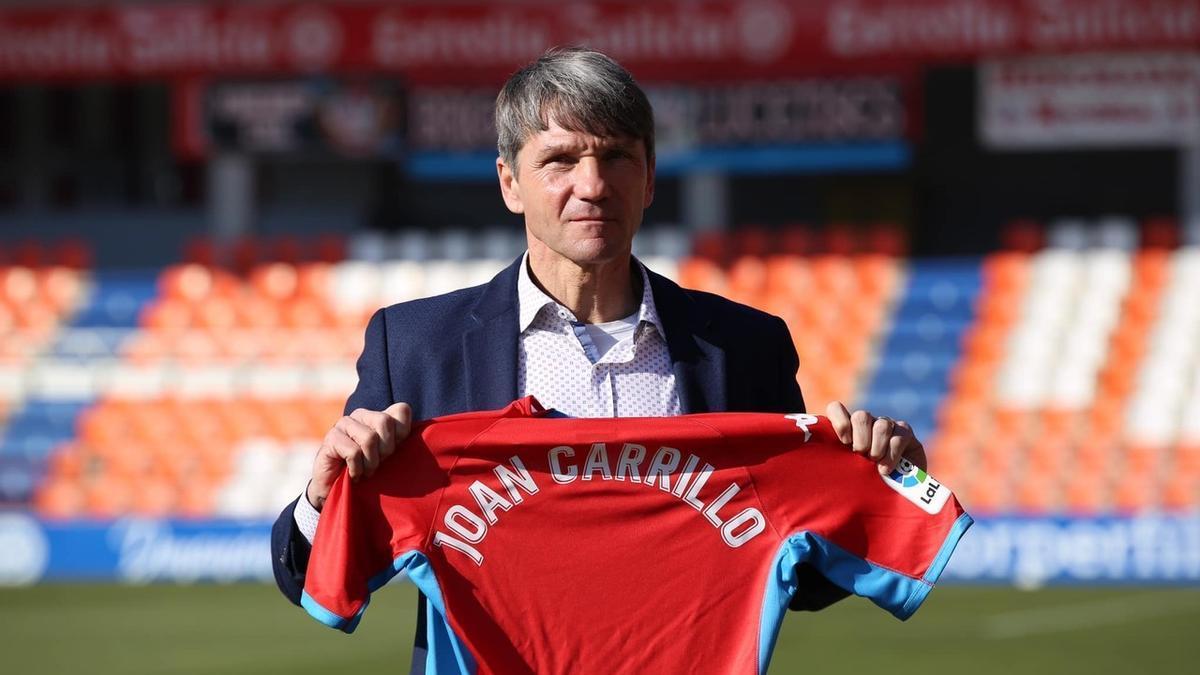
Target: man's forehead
<point>558,137</point>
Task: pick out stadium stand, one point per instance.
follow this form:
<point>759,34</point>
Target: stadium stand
<point>199,390</point>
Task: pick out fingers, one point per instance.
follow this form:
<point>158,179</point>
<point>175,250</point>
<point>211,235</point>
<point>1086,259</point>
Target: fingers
<point>915,450</point>
<point>862,423</point>
<point>883,440</point>
<point>882,429</point>
<point>401,415</point>
<point>369,439</point>
<point>341,446</point>
<point>362,439</point>
<point>839,417</point>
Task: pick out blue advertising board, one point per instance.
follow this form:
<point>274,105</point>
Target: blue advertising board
<point>1032,551</point>
<point>1036,551</point>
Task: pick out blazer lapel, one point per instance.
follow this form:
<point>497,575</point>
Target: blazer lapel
<point>489,348</point>
<point>697,360</point>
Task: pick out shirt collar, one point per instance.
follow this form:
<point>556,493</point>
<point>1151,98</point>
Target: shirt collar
<point>531,299</point>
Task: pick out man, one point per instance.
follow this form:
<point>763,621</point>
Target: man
<point>577,321</point>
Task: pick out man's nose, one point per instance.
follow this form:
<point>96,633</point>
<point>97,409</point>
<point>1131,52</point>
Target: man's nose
<point>590,181</point>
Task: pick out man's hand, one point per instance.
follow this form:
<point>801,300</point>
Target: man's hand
<point>880,438</point>
<point>359,442</point>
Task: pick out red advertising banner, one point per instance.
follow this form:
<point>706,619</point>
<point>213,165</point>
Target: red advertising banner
<point>478,42</point>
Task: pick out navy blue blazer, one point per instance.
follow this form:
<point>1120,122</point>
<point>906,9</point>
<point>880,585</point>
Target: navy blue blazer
<point>458,352</point>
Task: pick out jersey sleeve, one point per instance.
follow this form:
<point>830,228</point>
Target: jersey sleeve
<point>372,530</point>
<point>886,538</point>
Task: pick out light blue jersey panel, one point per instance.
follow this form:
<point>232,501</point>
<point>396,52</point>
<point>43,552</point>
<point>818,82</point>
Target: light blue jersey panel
<point>897,593</point>
<point>448,654</point>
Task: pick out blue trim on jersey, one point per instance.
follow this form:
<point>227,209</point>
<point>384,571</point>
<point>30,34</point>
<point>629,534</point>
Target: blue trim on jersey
<point>897,593</point>
<point>316,611</point>
<point>447,653</point>
<point>957,530</point>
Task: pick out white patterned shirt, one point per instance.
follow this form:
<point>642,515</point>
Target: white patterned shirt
<point>560,364</point>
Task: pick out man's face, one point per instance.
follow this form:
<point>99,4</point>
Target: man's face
<point>582,195</point>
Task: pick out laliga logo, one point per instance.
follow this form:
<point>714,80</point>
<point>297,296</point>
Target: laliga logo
<point>917,486</point>
<point>905,476</point>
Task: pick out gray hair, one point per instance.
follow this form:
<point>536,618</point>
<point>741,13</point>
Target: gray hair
<point>582,90</point>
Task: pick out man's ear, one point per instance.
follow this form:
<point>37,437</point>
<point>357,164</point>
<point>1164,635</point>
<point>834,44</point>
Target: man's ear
<point>510,189</point>
<point>649,182</point>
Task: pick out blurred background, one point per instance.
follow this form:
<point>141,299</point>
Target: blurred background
<point>981,216</point>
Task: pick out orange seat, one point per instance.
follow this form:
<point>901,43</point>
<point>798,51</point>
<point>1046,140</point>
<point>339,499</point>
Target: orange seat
<point>275,281</point>
<point>1181,492</point>
<point>748,275</point>
<point>1133,495</point>
<point>314,281</point>
<point>1036,494</point>
<point>790,276</point>
<point>66,461</point>
<point>835,277</point>
<point>986,494</point>
<point>1185,458</point>
<point>154,497</point>
<point>195,497</point>
<point>108,496</point>
<point>1151,268</point>
<point>35,319</point>
<point>1049,455</point>
<point>216,314</point>
<point>1059,422</point>
<point>305,314</point>
<point>166,315</point>
<point>59,288</point>
<point>1005,271</point>
<point>974,380</point>
<point>258,313</point>
<point>1084,495</point>
<point>190,283</point>
<point>878,275</point>
<point>59,499</point>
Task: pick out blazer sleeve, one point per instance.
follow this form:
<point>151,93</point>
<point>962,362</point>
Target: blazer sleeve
<point>790,397</point>
<point>289,549</point>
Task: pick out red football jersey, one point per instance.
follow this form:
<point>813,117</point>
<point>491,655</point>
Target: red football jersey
<point>633,545</point>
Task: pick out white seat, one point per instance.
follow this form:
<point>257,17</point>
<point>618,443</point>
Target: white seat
<point>367,246</point>
<point>402,280</point>
<point>414,244</point>
<point>1068,233</point>
<point>1116,232</point>
<point>457,244</point>
<point>354,285</point>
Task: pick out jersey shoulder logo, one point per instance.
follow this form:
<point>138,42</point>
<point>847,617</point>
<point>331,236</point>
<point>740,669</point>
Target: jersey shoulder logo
<point>803,422</point>
<point>918,487</point>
